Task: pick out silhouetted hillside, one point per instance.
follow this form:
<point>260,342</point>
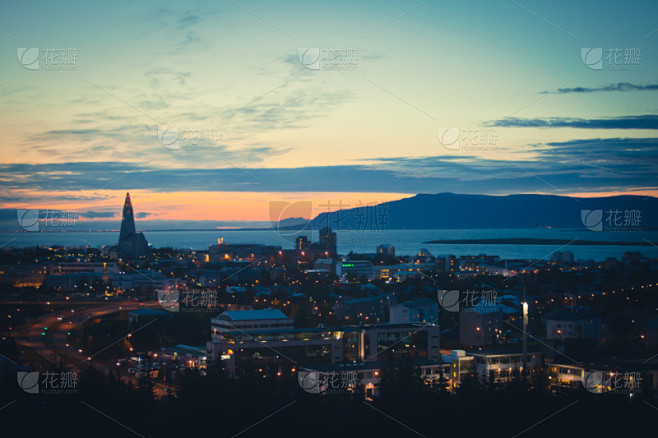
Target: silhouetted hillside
<point>452,211</point>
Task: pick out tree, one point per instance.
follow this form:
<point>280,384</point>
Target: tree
<point>443,383</point>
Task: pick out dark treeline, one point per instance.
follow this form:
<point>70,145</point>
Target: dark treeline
<point>214,405</point>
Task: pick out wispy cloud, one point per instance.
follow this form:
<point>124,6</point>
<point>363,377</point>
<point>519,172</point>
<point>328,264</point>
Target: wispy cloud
<point>619,86</point>
<point>189,18</point>
<point>625,122</point>
<point>292,111</point>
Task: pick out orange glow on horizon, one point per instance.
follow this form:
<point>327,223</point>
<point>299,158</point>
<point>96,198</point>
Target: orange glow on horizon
<point>196,206</point>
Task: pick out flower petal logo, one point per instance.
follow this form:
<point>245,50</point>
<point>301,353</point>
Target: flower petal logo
<point>168,299</point>
<point>28,57</point>
<point>593,381</point>
<point>309,381</point>
<point>168,137</point>
<point>592,57</point>
<point>28,381</point>
<point>449,138</point>
<point>449,300</point>
<point>291,219</point>
<point>28,219</point>
<point>309,58</point>
<point>592,219</point>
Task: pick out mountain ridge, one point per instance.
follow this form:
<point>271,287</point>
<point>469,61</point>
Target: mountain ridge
<point>455,211</point>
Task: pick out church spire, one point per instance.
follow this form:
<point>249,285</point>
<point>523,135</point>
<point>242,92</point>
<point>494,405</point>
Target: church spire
<point>132,245</point>
<point>127,220</point>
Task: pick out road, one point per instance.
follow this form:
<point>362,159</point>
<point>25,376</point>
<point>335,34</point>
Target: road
<point>53,346</point>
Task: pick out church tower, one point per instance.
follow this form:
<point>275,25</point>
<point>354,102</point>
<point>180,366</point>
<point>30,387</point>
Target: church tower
<point>127,220</point>
<point>132,245</point>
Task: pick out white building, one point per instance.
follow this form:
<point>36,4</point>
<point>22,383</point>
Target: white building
<point>423,310</point>
<point>249,321</point>
<point>503,363</point>
<point>618,377</point>
<point>460,366</point>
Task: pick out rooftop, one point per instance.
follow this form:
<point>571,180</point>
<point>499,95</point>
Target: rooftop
<point>412,327</point>
<point>252,315</point>
<point>504,350</point>
<point>367,366</point>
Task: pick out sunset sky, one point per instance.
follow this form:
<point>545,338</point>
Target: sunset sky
<point>83,128</point>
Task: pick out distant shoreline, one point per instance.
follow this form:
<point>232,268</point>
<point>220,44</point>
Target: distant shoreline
<point>532,241</point>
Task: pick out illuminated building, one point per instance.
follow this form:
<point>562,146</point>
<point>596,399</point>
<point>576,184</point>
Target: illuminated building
<point>355,270</point>
<point>504,363</point>
<point>252,338</point>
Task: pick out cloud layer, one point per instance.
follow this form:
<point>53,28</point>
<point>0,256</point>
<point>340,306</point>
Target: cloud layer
<point>560,167</point>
